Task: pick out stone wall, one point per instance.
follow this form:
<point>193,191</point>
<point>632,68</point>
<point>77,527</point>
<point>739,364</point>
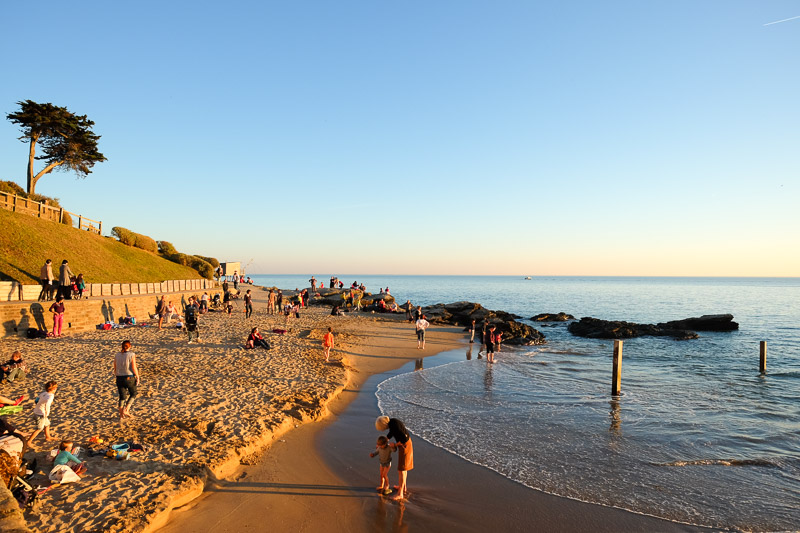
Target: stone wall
<point>12,291</point>
<point>84,315</point>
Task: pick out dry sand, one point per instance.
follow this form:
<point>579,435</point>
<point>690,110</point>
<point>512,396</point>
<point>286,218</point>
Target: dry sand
<point>202,411</point>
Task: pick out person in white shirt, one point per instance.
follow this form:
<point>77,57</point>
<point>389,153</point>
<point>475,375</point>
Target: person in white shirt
<point>42,411</point>
<point>421,325</point>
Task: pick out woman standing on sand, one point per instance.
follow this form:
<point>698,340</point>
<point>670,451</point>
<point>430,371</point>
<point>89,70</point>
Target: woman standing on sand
<point>405,450</point>
<point>58,315</point>
<point>127,376</point>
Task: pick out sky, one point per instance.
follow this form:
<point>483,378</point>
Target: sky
<point>429,137</point>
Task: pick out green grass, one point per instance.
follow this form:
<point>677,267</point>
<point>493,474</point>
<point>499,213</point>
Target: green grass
<point>26,241</point>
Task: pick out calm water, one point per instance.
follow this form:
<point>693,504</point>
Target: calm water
<point>697,436</point>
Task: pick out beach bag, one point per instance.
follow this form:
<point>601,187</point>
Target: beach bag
<point>34,333</point>
<point>63,474</point>
<point>107,326</point>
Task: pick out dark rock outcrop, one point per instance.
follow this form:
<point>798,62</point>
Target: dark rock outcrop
<point>595,328</point>
<point>463,313</point>
<point>703,323</point>
<point>552,317</point>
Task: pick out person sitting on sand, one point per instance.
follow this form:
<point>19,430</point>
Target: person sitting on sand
<point>127,376</point>
<point>41,413</point>
<point>7,428</point>
<point>405,451</point>
<point>170,310</point>
<point>327,343</point>
<point>204,303</point>
<point>65,457</point>
<point>255,339</point>
<point>384,452</point>
<point>15,368</point>
<point>5,400</point>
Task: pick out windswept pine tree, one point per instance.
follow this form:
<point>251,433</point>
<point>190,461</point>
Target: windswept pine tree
<point>66,140</point>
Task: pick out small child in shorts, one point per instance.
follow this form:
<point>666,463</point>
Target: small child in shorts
<point>42,411</point>
<point>384,452</point>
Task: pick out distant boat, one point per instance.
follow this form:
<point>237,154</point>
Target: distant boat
<point>527,277</point>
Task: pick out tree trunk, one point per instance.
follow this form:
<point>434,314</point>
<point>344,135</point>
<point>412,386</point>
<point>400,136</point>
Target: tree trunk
<point>45,170</point>
<point>31,153</point>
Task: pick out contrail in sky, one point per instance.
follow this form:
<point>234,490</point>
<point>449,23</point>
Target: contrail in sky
<point>779,21</point>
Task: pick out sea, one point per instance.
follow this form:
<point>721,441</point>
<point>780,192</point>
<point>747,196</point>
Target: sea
<point>698,434</point>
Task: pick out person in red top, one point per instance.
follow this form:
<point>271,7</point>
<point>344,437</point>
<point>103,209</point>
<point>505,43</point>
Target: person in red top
<point>327,343</point>
<point>58,315</point>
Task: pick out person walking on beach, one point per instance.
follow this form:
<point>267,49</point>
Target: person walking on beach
<point>46,277</point>
<point>65,276</point>
<point>405,451</point>
<point>271,302</point>
<point>490,339</point>
<point>472,332</point>
<point>41,412</point>
<point>161,310</point>
<point>327,343</point>
<point>279,301</point>
<point>248,304</point>
<point>421,326</point>
<point>58,315</point>
<point>127,375</point>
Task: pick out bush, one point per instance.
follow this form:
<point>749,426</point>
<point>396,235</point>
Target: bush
<point>12,188</point>
<point>146,243</point>
<point>202,266</point>
<point>210,260</point>
<point>125,236</point>
<point>166,249</point>
<point>66,219</point>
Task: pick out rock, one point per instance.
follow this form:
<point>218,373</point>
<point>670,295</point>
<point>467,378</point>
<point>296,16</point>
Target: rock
<point>704,323</point>
<point>550,317</point>
<point>595,328</point>
<point>463,313</point>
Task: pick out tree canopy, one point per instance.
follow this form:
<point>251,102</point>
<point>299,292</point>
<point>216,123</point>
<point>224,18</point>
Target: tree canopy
<point>67,140</point>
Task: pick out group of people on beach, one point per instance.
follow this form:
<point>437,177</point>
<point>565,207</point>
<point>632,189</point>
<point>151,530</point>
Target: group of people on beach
<point>67,286</point>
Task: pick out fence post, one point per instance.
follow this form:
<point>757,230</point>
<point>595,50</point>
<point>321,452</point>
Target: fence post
<point>60,215</point>
<point>616,369</point>
<point>99,228</point>
<point>80,221</point>
<point>14,205</point>
<point>40,211</point>
<point>762,365</point>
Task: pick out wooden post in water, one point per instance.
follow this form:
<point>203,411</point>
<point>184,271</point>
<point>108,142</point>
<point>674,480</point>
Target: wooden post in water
<point>616,369</point>
<point>762,365</point>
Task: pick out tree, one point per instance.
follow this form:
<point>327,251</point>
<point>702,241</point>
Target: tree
<point>66,139</point>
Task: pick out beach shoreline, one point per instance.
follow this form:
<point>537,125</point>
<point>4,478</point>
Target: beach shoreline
<point>319,476</point>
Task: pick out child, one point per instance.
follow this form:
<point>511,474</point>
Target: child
<point>65,457</point>
<point>42,411</point>
<point>327,343</point>
<point>15,368</point>
<point>384,452</point>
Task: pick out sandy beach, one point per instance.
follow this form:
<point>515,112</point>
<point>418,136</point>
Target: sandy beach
<point>202,411</point>
<point>215,422</point>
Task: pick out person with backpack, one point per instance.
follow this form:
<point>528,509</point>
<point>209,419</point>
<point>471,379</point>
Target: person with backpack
<point>190,319</point>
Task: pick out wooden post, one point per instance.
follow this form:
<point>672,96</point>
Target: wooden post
<point>616,369</point>
<point>100,228</point>
<point>60,215</point>
<point>762,366</point>
<point>80,221</point>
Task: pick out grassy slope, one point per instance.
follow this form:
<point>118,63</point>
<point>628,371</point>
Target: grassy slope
<point>26,241</point>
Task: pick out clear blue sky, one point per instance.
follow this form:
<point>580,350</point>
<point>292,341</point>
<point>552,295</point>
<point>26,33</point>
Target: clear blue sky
<point>444,137</point>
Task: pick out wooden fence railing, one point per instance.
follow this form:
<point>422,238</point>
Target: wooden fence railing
<point>18,204</point>
<point>12,291</point>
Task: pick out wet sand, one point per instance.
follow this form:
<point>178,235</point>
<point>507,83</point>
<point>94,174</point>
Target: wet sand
<point>320,478</point>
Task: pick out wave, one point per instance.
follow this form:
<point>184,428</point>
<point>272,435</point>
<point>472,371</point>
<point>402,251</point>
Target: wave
<point>723,462</point>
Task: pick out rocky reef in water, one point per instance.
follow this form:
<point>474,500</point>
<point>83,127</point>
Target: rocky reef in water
<point>463,313</point>
<point>595,328</point>
<point>552,317</point>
